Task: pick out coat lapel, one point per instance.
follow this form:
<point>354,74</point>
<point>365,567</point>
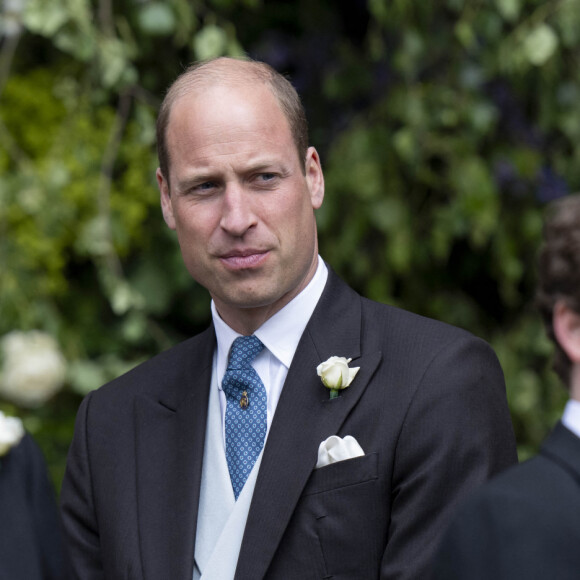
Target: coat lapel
<point>170,433</point>
<point>305,416</point>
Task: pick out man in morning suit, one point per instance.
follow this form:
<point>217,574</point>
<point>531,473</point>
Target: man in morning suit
<point>525,523</point>
<point>201,463</point>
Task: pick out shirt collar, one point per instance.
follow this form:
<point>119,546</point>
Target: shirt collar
<point>571,416</point>
<point>281,333</point>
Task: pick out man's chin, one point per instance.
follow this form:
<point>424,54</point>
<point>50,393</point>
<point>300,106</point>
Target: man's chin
<point>241,302</point>
<point>247,301</point>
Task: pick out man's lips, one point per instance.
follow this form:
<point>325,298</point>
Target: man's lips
<point>240,259</point>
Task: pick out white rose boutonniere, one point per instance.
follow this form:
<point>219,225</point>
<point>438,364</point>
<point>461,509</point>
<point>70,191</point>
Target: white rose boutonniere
<point>336,374</point>
<point>11,432</point>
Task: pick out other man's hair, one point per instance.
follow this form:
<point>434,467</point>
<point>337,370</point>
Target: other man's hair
<point>559,270</point>
<point>233,71</point>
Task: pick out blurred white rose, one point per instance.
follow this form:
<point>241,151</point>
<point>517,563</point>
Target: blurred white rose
<point>34,369</point>
<point>11,17</point>
<point>11,432</point>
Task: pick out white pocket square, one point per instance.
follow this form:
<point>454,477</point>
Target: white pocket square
<point>336,449</point>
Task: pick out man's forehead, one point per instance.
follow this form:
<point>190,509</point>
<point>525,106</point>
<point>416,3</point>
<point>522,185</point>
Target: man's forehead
<point>227,70</point>
<point>203,102</point>
<point>241,87</point>
<point>208,97</point>
<point>208,133</point>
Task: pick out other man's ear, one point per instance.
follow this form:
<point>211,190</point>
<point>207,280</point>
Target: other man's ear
<point>166,205</point>
<point>314,177</point>
<point>566,324</point>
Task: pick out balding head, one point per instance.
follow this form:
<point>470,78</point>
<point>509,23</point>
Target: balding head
<point>233,72</point>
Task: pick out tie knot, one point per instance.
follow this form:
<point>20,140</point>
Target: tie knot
<point>244,350</point>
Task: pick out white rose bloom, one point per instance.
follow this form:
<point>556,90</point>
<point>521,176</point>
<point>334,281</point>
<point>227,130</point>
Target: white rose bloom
<point>11,432</point>
<point>335,372</point>
<point>34,369</point>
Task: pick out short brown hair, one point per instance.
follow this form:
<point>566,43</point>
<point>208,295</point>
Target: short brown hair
<point>559,270</point>
<point>219,70</point>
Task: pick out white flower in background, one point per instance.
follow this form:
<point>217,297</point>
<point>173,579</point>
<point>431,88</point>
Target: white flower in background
<point>34,369</point>
<point>11,17</point>
<point>11,432</point>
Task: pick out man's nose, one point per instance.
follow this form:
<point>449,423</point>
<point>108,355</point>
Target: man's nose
<point>237,212</point>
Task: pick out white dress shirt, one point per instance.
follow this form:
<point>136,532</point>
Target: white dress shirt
<point>571,416</point>
<point>280,335</point>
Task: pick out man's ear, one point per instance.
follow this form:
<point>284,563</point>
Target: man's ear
<point>566,324</point>
<point>314,177</point>
<point>166,206</point>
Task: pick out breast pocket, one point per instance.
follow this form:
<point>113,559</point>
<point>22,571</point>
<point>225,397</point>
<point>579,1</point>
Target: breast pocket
<point>343,500</point>
<point>342,474</point>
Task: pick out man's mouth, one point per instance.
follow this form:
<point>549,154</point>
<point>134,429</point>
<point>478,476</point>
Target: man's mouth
<point>242,259</point>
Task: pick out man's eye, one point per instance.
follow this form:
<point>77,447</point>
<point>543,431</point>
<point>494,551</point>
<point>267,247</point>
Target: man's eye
<point>266,177</point>
<point>205,186</point>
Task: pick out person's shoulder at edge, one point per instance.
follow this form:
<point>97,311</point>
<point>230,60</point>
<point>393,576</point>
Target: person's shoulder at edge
<point>535,485</point>
<point>528,510</point>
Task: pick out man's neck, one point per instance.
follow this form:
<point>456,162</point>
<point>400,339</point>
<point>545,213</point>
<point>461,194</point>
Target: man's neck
<point>247,320</point>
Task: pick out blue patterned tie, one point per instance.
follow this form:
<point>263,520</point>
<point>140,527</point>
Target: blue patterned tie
<point>246,410</point>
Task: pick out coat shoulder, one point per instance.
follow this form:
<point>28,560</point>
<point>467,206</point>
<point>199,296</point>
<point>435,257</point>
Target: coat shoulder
<point>544,487</point>
<point>522,523</point>
<point>413,330</point>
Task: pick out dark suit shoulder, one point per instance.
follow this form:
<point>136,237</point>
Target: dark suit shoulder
<point>531,490</point>
<point>394,320</point>
<point>522,524</point>
<point>546,486</point>
<point>416,341</point>
<point>439,362</point>
<point>382,327</point>
<point>31,543</point>
<point>22,460</point>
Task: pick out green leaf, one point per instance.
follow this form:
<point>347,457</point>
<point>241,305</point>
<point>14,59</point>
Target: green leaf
<point>45,18</point>
<point>211,41</point>
<point>568,21</point>
<point>509,9</point>
<point>85,376</point>
<point>114,62</point>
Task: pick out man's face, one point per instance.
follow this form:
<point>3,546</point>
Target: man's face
<point>239,200</point>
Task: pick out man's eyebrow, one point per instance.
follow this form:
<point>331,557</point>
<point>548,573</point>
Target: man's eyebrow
<point>188,182</point>
<point>268,166</point>
<point>261,164</point>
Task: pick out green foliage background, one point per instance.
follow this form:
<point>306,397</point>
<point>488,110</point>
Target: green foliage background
<point>444,128</point>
